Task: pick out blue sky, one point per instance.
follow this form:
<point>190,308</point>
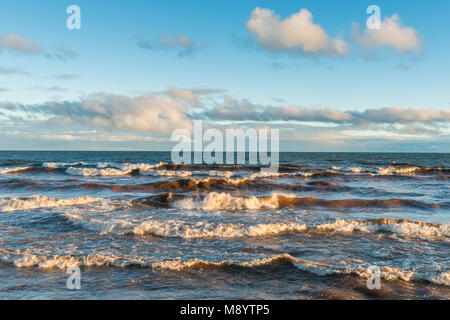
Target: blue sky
<point>145,48</point>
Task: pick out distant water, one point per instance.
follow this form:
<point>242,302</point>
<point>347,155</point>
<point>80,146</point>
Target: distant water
<point>140,227</point>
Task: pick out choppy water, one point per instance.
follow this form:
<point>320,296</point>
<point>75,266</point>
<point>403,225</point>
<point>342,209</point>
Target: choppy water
<point>140,227</point>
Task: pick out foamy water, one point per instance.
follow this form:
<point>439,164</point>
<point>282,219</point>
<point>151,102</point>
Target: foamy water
<point>139,226</point>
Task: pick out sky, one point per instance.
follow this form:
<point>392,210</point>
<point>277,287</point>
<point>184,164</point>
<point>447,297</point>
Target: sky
<point>138,70</point>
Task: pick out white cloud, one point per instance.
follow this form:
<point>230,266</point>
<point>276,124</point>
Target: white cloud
<point>297,33</point>
<point>391,34</point>
<point>17,43</point>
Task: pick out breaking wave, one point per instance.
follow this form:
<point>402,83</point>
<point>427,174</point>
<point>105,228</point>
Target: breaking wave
<point>92,172</point>
<point>36,202</point>
<point>15,169</point>
<point>28,260</point>
<point>317,268</point>
<point>181,229</point>
<point>205,230</point>
<point>391,170</point>
<point>131,166</point>
<point>402,227</point>
<point>226,201</point>
<point>61,164</point>
<point>183,185</point>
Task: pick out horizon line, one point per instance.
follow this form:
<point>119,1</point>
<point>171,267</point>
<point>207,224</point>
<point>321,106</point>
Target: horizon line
<point>41,150</point>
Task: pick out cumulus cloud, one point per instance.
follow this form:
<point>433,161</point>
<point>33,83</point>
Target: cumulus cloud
<point>295,34</point>
<point>181,43</point>
<point>391,34</point>
<point>16,43</point>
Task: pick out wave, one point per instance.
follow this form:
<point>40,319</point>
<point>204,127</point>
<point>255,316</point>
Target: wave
<point>380,171</point>
<point>61,164</point>
<point>204,230</point>
<point>192,264</point>
<point>405,228</point>
<point>169,173</point>
<point>321,269</point>
<point>139,170</point>
<point>33,168</point>
<point>180,185</point>
<point>131,166</point>
<point>102,169</point>
<point>15,169</point>
<point>181,229</point>
<point>402,227</point>
<point>28,260</point>
<point>64,262</point>
<point>37,202</point>
<point>92,172</point>
<point>226,201</point>
<point>225,171</point>
<point>391,170</point>
<point>216,167</point>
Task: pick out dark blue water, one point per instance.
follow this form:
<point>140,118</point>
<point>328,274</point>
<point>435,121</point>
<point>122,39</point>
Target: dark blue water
<point>140,227</point>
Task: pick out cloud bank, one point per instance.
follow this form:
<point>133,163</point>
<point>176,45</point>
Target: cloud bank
<point>234,110</point>
<point>157,114</point>
<point>176,108</point>
<point>122,119</point>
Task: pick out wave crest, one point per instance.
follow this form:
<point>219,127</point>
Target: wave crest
<point>226,201</point>
<point>36,202</point>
